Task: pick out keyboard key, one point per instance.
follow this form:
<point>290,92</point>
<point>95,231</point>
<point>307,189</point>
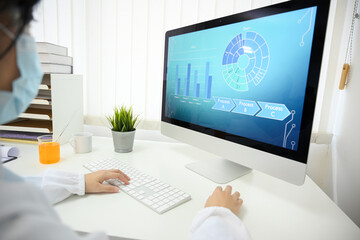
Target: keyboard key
<point>152,192</point>
<point>162,208</point>
<point>148,202</point>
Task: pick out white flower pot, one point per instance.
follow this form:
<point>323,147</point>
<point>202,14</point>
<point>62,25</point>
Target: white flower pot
<point>123,141</point>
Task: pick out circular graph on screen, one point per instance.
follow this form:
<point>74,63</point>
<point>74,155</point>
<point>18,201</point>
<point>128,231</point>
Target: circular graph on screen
<point>246,60</point>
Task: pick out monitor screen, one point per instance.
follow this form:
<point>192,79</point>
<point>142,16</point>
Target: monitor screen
<point>250,78</point>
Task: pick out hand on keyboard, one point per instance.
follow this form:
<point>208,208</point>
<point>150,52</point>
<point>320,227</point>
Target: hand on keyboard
<point>94,181</point>
<point>144,188</point>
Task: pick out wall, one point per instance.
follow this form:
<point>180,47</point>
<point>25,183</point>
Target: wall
<point>345,148</point>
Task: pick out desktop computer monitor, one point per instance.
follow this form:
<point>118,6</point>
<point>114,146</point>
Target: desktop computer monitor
<point>244,88</point>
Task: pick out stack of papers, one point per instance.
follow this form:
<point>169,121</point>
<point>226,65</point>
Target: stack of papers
<point>8,153</point>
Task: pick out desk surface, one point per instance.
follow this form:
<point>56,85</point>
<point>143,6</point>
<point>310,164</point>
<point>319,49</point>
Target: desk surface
<point>272,209</point>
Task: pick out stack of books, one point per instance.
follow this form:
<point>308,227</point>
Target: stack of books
<point>47,113</point>
<point>54,58</point>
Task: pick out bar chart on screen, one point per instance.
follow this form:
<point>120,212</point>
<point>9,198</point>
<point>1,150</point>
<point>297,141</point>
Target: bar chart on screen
<point>193,80</point>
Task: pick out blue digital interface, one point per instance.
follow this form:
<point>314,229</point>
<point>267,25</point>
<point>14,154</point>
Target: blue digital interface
<point>247,78</point>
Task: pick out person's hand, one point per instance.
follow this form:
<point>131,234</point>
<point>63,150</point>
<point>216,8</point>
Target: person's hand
<point>225,199</point>
<point>93,181</point>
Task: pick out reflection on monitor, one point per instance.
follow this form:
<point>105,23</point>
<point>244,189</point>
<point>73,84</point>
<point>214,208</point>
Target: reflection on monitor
<point>244,87</point>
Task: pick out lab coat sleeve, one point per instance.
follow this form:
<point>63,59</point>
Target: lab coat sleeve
<point>25,213</point>
<point>214,223</point>
<point>59,184</point>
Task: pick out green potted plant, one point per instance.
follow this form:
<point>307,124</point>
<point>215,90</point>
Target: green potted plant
<point>123,126</point>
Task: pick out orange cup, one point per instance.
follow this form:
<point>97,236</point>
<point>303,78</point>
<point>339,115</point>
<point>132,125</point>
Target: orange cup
<point>49,151</point>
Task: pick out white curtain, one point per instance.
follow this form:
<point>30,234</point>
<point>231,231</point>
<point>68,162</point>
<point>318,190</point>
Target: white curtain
<point>118,46</point>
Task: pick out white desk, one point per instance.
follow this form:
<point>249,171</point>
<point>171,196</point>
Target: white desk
<point>272,209</point>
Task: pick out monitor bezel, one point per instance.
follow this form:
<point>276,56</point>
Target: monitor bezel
<point>311,87</point>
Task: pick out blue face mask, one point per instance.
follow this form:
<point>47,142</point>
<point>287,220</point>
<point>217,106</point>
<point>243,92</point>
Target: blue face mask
<point>26,87</point>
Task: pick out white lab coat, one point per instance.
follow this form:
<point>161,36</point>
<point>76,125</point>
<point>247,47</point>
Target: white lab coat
<point>25,213</point>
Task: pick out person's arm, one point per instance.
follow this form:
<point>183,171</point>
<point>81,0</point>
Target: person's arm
<point>218,219</point>
<point>25,213</point>
<point>59,184</point>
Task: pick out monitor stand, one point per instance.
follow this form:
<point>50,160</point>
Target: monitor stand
<point>219,171</point>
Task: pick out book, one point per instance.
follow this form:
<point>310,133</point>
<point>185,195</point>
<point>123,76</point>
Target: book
<point>56,68</point>
<point>45,47</point>
<point>41,102</point>
<point>18,140</point>
<point>44,94</point>
<point>14,135</point>
<point>35,116</point>
<point>28,125</point>
<point>39,112</point>
<point>55,59</point>
<point>26,129</point>
<point>44,87</point>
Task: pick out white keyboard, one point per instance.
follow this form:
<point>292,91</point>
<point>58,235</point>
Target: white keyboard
<point>148,190</point>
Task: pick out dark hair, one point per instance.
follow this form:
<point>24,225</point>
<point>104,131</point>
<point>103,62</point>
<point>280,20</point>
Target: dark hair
<point>22,13</point>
